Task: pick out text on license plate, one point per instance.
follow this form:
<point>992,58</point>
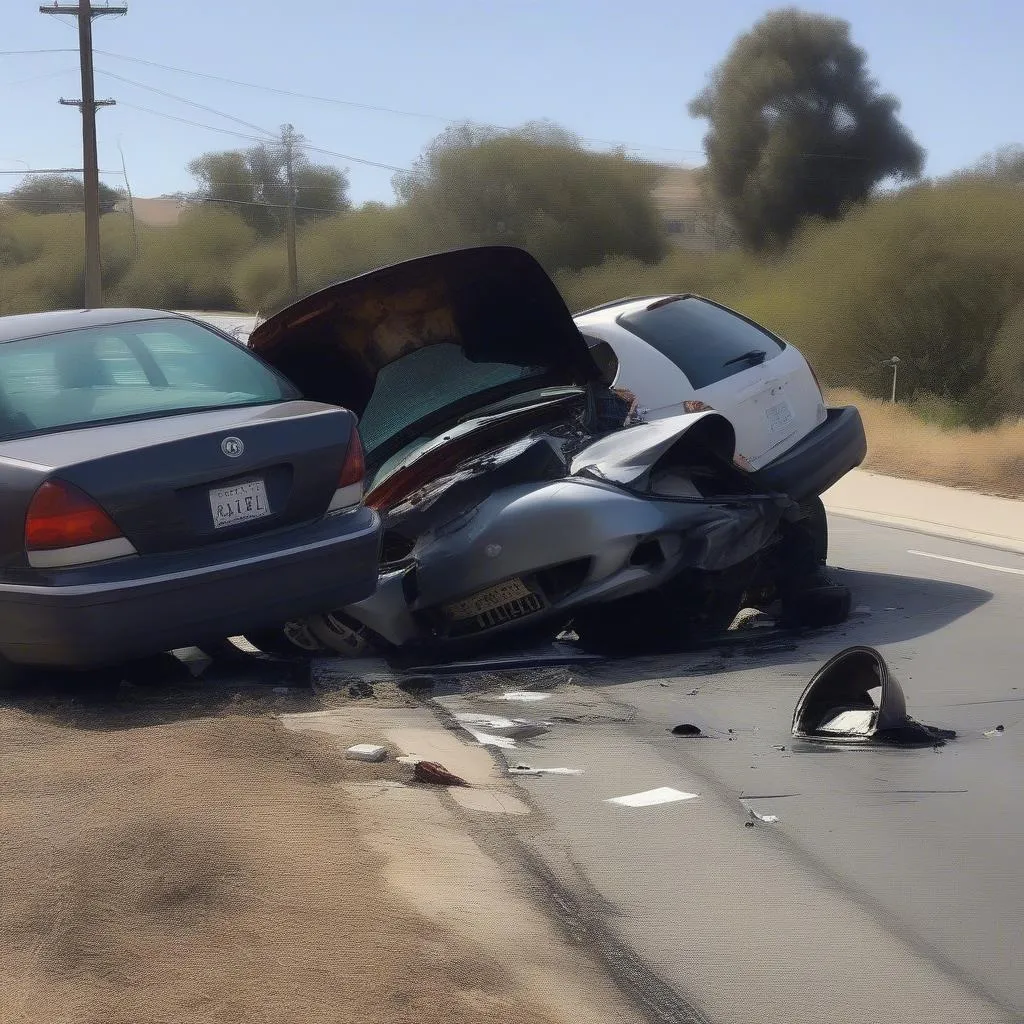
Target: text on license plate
<point>239,503</point>
<point>486,600</point>
<point>778,416</point>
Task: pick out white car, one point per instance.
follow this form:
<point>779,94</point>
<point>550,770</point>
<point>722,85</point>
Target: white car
<point>679,353</point>
<point>686,353</point>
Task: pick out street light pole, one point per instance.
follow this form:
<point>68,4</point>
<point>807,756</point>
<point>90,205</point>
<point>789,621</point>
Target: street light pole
<point>894,362</point>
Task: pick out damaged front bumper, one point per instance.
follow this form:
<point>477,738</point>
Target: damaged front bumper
<point>529,554</point>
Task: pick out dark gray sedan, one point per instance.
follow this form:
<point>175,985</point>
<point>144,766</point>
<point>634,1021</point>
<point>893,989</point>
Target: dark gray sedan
<point>160,485</point>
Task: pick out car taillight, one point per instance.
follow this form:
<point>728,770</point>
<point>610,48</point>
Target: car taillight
<point>821,390</point>
<point>409,479</point>
<point>355,462</point>
<point>64,527</point>
<point>349,491</point>
<point>61,516</point>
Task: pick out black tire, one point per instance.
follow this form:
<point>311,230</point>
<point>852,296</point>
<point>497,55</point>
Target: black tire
<point>817,527</point>
<point>817,607</point>
<point>664,621</point>
<point>290,641</point>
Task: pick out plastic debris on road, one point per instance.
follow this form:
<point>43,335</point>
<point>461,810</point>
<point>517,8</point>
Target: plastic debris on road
<point>997,731</point>
<point>525,769</point>
<point>687,729</point>
<point>366,752</point>
<point>767,819</point>
<point>526,696</point>
<point>436,774</point>
<point>651,797</point>
<point>837,705</point>
<point>496,731</point>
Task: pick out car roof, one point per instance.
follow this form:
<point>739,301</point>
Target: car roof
<point>626,305</point>
<point>33,325</point>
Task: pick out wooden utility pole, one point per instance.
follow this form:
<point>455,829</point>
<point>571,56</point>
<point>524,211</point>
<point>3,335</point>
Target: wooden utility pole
<point>288,141</point>
<point>88,105</point>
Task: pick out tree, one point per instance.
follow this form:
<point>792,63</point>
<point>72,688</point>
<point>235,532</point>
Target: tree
<point>1003,167</point>
<point>58,193</point>
<point>536,187</point>
<point>797,127</point>
<point>254,183</point>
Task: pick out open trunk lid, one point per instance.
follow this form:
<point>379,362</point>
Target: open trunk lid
<point>411,347</point>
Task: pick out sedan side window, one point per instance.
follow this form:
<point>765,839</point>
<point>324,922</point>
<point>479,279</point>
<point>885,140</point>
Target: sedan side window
<point>708,343</point>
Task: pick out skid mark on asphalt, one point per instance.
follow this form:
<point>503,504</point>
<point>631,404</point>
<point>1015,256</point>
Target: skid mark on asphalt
<point>965,561</point>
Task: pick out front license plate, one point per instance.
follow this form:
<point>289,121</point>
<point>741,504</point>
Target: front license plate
<point>779,416</point>
<point>239,504</point>
<point>487,600</point>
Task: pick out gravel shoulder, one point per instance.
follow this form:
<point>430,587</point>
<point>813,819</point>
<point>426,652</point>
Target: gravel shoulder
<point>191,857</point>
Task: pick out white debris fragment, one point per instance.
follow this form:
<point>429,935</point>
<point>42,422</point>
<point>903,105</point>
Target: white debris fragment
<point>693,692</point>
<point>768,819</point>
<point>650,797</point>
<point>366,752</point>
<point>495,726</point>
<point>486,739</point>
<point>525,696</point>
<point>525,769</point>
<point>243,645</point>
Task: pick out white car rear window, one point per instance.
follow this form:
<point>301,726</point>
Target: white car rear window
<point>706,342</point>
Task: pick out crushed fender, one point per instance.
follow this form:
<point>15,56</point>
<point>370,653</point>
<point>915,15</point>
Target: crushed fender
<point>837,705</point>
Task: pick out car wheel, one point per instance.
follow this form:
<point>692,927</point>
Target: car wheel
<point>291,639</point>
<point>660,622</point>
<point>344,635</point>
<point>816,604</point>
<point>817,527</point>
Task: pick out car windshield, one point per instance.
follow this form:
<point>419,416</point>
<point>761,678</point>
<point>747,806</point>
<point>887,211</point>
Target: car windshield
<point>432,382</point>
<point>127,371</point>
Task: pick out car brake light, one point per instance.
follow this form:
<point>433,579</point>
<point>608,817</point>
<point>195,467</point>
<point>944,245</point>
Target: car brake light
<point>409,479</point>
<point>62,516</point>
<point>817,382</point>
<point>355,462</point>
<point>349,491</point>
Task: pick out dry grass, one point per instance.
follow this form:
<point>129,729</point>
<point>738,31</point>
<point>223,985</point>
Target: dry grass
<point>209,870</point>
<point>901,444</point>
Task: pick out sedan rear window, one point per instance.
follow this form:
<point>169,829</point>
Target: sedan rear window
<point>127,371</point>
<point>706,342</point>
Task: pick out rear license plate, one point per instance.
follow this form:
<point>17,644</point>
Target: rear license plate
<point>239,504</point>
<point>779,416</point>
<point>487,600</point>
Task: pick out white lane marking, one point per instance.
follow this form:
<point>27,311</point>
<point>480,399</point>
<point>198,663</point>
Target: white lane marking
<point>964,561</point>
<point>662,795</point>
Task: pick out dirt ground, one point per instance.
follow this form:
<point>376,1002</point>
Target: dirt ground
<point>193,860</point>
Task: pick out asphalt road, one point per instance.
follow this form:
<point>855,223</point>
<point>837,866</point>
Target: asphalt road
<point>890,888</point>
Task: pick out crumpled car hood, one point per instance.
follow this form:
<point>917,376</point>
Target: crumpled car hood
<point>494,304</point>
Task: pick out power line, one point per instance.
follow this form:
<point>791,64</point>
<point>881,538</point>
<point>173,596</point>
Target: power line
<point>263,141</point>
<point>182,99</point>
<point>364,106</point>
<point>27,53</point>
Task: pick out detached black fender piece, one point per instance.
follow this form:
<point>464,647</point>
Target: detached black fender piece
<point>820,460</point>
<point>837,705</point>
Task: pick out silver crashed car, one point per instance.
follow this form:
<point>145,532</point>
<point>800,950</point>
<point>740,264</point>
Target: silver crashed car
<point>519,490</point>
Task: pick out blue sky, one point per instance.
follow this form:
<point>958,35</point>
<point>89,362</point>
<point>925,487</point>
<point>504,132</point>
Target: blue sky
<point>611,71</point>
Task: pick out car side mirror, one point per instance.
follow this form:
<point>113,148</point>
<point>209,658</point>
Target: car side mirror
<point>607,361</point>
